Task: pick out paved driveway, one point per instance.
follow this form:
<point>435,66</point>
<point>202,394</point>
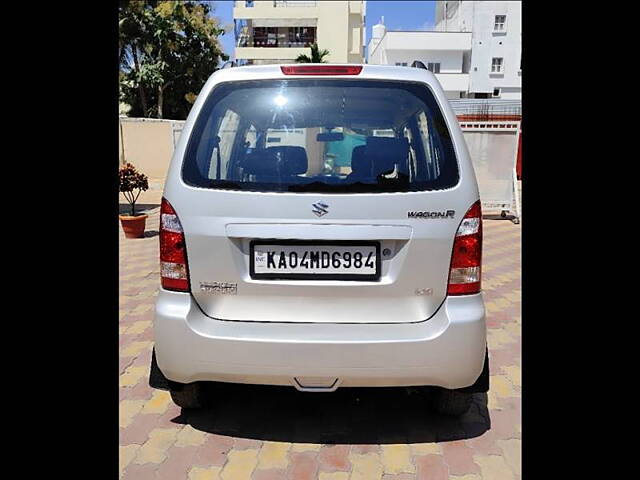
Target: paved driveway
<point>262,433</point>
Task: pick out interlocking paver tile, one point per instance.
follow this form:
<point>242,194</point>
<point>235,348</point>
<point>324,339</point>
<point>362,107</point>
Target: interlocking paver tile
<point>501,386</point>
<point>214,450</point>
<point>158,403</point>
<point>397,459</point>
<point>154,450</point>
<point>245,443</point>
<point>240,465</point>
<point>334,458</point>
<point>303,447</point>
<point>138,431</point>
<point>512,453</point>
<point>493,466</point>
<point>190,437</point>
<point>199,473</point>
<point>140,391</point>
<point>399,476</point>
<point>126,454</point>
<point>362,449</point>
<point>432,467</point>
<point>303,465</point>
<point>333,476</point>
<point>140,472</point>
<point>133,375</point>
<point>459,458</point>
<point>513,374</point>
<point>272,474</point>
<point>158,441</point>
<point>366,467</point>
<point>425,449</point>
<point>128,410</point>
<point>135,348</point>
<point>138,327</point>
<point>179,462</point>
<point>273,455</point>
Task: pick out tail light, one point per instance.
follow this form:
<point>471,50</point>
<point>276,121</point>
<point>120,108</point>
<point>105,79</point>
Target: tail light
<point>322,70</point>
<point>464,274</point>
<point>174,271</point>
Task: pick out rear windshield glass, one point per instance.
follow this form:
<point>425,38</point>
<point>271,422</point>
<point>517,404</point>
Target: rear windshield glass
<point>322,136</point>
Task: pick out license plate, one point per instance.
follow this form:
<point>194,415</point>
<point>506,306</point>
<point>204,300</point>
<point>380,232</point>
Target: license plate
<point>315,260</point>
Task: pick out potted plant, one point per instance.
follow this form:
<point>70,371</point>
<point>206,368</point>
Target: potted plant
<point>132,184</point>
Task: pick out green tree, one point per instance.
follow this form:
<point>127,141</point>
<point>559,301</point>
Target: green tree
<point>167,51</point>
<point>317,56</point>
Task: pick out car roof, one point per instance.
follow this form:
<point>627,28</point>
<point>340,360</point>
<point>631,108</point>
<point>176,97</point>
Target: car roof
<point>378,72</point>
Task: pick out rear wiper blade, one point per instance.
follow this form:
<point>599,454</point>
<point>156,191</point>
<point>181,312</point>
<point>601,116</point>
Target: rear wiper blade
<point>224,184</point>
<point>306,187</point>
<point>332,187</point>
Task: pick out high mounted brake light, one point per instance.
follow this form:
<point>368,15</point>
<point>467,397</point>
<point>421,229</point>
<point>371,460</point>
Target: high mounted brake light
<point>322,70</point>
<point>174,271</point>
<point>466,259</point>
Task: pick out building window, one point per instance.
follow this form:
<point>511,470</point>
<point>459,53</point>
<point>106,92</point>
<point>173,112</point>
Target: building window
<point>265,37</point>
<point>498,26</point>
<point>496,65</point>
<point>286,37</point>
<point>496,92</point>
<point>401,64</point>
<point>433,67</point>
<point>302,36</point>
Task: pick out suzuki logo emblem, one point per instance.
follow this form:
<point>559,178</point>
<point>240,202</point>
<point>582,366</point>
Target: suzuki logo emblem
<point>320,208</point>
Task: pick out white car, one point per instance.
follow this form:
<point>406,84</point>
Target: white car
<point>321,228</point>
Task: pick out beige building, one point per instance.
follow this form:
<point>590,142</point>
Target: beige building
<point>277,31</point>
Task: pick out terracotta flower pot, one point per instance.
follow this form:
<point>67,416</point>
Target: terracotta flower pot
<point>133,226</point>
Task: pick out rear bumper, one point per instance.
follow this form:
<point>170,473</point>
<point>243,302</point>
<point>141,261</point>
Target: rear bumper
<point>448,350</point>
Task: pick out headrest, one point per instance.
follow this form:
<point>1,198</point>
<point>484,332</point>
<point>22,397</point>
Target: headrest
<point>360,164</point>
<point>385,153</point>
<point>294,159</point>
<point>261,162</point>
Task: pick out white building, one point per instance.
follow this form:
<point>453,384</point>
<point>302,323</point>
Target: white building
<point>496,50</point>
<point>475,49</point>
<point>277,31</point>
<point>444,53</point>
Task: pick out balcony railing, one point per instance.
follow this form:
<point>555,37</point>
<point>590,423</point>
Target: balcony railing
<point>272,43</point>
<point>277,3</point>
<point>294,3</point>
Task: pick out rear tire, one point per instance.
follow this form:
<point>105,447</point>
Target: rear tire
<point>190,395</point>
<point>451,402</point>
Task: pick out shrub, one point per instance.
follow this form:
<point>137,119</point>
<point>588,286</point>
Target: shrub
<point>132,184</point>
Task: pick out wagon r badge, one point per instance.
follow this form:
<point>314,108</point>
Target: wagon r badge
<point>320,208</point>
<point>443,214</point>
